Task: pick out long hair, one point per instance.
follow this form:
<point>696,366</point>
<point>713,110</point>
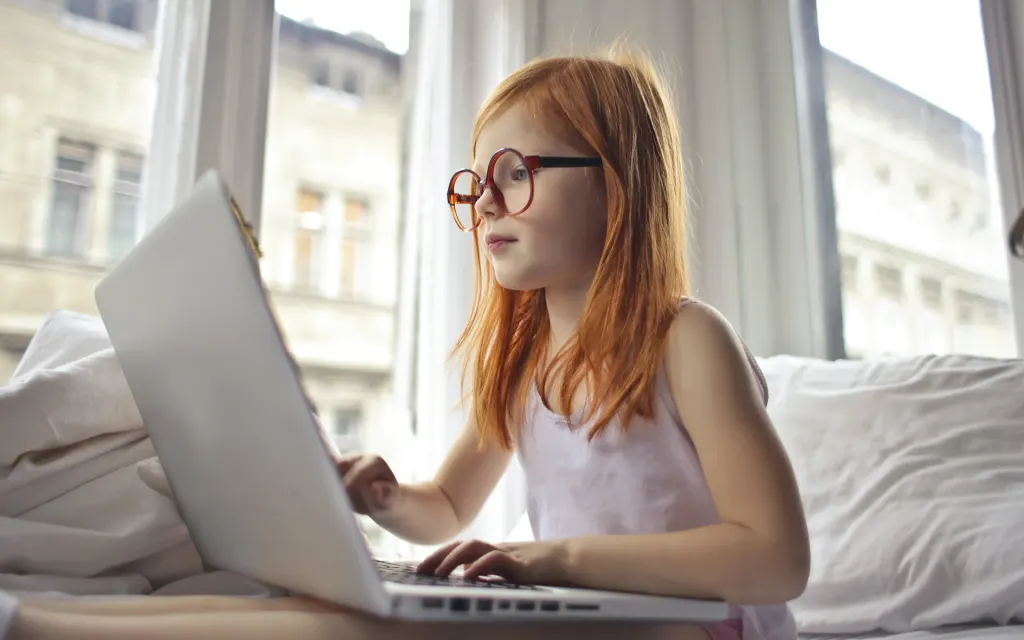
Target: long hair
<point>615,107</point>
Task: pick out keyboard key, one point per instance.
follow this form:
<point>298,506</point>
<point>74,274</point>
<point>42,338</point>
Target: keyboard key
<point>405,573</point>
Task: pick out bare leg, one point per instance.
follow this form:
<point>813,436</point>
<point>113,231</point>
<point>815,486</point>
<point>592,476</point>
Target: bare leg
<point>163,605</point>
<point>198,618</point>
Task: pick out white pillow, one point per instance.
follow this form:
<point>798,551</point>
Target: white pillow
<point>912,476</point>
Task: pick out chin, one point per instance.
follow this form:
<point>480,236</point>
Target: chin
<point>514,280</point>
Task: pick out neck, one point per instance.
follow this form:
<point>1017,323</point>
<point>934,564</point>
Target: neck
<point>565,307</point>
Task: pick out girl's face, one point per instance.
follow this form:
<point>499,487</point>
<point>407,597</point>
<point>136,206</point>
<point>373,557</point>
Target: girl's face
<point>556,243</point>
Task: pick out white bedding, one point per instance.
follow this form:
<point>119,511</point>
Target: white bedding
<point>911,472</point>
<point>85,508</point>
<point>971,632</point>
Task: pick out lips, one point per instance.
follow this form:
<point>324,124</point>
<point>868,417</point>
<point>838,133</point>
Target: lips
<point>496,241</point>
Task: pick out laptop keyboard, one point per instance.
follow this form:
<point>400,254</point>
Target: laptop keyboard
<point>406,574</point>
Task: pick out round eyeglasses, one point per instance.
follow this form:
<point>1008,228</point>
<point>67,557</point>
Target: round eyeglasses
<point>510,178</point>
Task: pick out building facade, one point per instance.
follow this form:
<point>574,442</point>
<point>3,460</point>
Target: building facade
<point>919,225</point>
<point>77,90</point>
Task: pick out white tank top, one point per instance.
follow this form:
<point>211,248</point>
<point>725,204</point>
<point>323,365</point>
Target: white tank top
<point>647,481</point>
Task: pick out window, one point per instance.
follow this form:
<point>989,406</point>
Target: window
<point>931,293</point>
<point>977,309</point>
<point>309,228</point>
<point>355,246</point>
<point>348,428</point>
<point>125,14</point>
<point>347,421</point>
<point>124,225</point>
<point>322,74</point>
<point>965,312</point>
<point>85,8</point>
<point>350,82</point>
<point>71,200</point>
<point>889,282</point>
<point>911,99</point>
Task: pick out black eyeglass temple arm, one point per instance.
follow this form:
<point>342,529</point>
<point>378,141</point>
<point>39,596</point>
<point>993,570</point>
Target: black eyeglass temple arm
<point>564,161</point>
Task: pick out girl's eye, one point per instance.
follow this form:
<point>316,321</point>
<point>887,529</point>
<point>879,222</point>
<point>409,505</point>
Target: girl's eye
<point>520,173</point>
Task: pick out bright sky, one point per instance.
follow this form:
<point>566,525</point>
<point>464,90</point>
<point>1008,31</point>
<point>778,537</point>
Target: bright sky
<point>386,20</point>
<point>934,48</point>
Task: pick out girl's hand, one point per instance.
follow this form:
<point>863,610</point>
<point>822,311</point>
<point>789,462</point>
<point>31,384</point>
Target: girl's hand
<point>519,562</point>
<point>371,484</point>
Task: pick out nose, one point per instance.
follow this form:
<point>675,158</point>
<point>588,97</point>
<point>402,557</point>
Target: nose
<point>487,204</point>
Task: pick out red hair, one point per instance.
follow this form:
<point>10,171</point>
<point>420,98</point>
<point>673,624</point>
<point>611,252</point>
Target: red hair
<point>615,107</point>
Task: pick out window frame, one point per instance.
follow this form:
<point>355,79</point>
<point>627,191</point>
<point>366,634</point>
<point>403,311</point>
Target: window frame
<point>126,188</point>
<point>317,237</point>
<point>86,151</point>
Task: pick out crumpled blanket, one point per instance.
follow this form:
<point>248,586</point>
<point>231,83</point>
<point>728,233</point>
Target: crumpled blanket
<point>85,508</point>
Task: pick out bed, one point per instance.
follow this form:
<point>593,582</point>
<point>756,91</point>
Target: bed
<point>911,472</point>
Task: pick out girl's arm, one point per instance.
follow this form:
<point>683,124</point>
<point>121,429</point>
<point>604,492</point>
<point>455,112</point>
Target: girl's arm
<point>435,511</point>
<point>760,553</point>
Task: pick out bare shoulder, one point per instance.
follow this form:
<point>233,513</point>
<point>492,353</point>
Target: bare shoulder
<point>705,358</point>
<point>700,332</point>
<point>697,319</point>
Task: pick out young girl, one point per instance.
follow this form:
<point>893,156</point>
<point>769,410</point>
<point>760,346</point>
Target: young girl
<point>638,414</point>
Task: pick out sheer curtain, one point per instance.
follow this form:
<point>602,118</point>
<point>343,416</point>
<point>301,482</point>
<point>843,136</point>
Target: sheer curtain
<point>182,28</point>
<point>211,108</point>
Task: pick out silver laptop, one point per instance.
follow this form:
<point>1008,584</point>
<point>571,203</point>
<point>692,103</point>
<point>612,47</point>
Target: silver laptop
<point>204,357</point>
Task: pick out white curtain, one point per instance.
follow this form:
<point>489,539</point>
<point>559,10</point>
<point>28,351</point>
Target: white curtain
<point>212,101</point>
<point>170,168</point>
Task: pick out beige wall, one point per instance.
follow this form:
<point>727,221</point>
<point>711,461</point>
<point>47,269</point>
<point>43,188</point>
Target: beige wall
<point>65,75</point>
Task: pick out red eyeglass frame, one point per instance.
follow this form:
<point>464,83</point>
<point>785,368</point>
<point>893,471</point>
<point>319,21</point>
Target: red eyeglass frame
<point>532,164</point>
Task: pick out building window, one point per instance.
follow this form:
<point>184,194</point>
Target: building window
<point>70,203</point>
<point>975,309</point>
<point>354,244</point>
<point>988,310</point>
<point>309,231</point>
<point>889,281</point>
<point>322,74</point>
<point>119,13</point>
<point>350,82</point>
<point>124,212</point>
<point>348,428</point>
<point>931,293</point>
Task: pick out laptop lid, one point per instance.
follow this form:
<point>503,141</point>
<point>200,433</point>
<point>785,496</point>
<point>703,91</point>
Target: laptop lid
<point>205,361</point>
